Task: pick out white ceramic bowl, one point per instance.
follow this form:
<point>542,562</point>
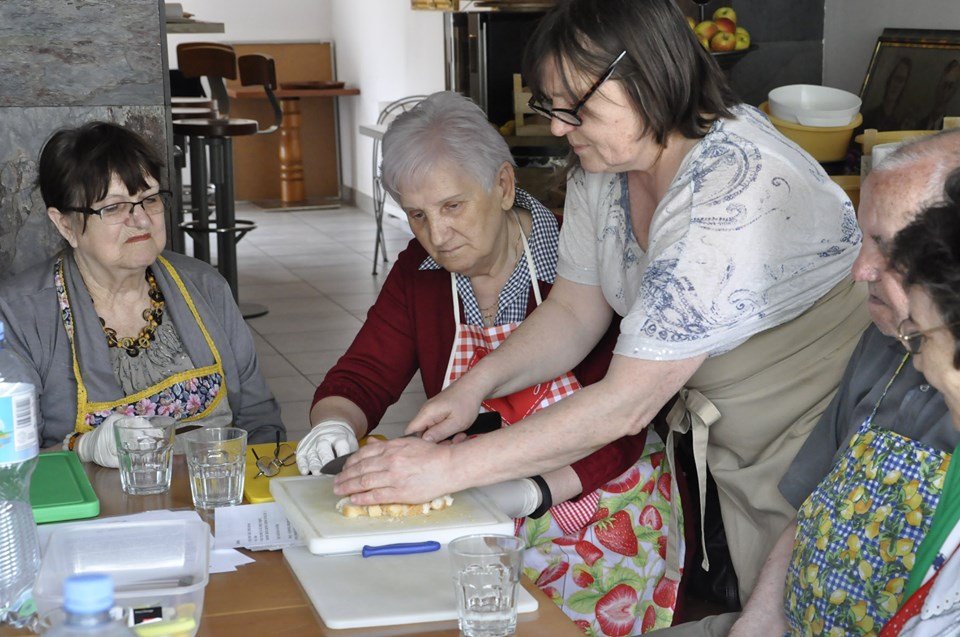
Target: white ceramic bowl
<point>812,105</point>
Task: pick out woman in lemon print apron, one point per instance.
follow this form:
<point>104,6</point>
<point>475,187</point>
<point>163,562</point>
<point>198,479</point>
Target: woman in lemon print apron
<point>111,326</point>
<point>926,252</point>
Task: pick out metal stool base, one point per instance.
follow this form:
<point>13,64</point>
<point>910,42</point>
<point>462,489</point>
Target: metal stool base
<point>252,310</point>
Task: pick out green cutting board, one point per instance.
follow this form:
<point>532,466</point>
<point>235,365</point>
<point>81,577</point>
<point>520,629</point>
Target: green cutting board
<point>60,489</point>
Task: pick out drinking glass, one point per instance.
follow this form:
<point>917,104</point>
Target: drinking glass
<point>215,461</point>
<point>486,575</point>
<point>145,453</point>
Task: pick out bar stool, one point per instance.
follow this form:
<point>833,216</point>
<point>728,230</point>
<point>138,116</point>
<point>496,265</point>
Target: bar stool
<point>177,234</point>
<point>217,62</point>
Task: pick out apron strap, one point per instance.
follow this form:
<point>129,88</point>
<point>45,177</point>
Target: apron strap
<point>531,267</point>
<point>692,412</point>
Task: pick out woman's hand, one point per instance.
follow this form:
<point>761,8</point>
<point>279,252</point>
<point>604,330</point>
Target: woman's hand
<point>326,441</point>
<point>99,445</point>
<point>451,411</point>
<point>405,470</point>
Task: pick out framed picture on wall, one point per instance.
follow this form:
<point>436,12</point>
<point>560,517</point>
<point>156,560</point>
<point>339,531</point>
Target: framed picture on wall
<point>913,80</point>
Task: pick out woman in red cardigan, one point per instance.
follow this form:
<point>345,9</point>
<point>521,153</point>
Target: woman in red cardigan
<point>484,256</point>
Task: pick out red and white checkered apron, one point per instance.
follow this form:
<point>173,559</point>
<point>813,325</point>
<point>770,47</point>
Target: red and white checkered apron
<point>605,550</point>
<point>472,343</point>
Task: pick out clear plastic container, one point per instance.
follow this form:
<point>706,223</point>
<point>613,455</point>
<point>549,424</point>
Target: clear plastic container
<point>159,568</point>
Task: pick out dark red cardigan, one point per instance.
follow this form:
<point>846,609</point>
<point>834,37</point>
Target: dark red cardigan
<point>411,327</point>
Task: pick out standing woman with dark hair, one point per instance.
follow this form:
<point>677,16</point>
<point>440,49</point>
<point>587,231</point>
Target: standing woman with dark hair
<point>114,325</point>
<point>725,247</point>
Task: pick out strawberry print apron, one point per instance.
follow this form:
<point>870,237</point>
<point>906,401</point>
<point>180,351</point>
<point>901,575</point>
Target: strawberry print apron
<point>186,396</point>
<point>603,557</point>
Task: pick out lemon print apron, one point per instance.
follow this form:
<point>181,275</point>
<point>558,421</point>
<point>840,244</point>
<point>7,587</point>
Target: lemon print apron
<point>186,396</point>
<point>858,532</point>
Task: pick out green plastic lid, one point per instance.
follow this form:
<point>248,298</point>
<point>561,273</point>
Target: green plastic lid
<point>60,489</point>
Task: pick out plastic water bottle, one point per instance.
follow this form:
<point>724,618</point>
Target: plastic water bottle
<point>87,600</point>
<point>19,549</point>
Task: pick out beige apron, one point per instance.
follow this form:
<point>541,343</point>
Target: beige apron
<point>751,410</point>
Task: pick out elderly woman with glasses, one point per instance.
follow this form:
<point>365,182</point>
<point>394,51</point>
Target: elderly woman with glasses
<point>113,325</point>
<point>725,248</point>
<point>927,253</point>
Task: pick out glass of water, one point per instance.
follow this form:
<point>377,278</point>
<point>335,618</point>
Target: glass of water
<point>486,575</point>
<point>145,453</point>
<point>215,461</point>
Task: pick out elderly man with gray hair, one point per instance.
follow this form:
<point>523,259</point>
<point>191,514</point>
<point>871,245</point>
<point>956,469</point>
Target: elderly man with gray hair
<point>483,258</point>
<point>869,477</point>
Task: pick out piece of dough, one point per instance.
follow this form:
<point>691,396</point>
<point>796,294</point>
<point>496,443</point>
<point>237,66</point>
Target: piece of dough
<point>348,510</point>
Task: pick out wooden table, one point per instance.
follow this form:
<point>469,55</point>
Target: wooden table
<point>290,154</point>
<point>265,598</point>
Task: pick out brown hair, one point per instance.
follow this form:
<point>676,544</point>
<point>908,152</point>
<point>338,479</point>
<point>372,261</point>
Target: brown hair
<point>673,83</point>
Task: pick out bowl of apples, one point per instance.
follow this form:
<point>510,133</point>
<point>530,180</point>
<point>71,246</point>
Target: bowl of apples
<point>723,37</point>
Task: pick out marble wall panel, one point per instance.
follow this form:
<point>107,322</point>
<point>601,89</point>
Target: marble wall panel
<point>26,234</point>
<point>80,52</point>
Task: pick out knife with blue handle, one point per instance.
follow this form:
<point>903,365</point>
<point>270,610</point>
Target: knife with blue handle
<point>403,548</point>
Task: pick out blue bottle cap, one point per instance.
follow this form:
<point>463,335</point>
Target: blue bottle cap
<point>88,593</point>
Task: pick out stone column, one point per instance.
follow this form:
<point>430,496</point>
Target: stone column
<point>63,63</point>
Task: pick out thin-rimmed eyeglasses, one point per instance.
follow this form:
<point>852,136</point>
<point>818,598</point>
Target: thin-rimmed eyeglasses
<point>283,456</point>
<point>114,213</point>
<point>912,339</point>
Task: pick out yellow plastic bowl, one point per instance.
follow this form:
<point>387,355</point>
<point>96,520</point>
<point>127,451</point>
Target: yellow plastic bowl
<point>823,143</point>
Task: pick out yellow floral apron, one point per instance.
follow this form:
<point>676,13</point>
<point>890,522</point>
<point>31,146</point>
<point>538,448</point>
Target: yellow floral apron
<point>858,532</point>
<point>186,396</point>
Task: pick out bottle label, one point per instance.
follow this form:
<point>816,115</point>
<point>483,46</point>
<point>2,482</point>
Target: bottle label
<point>18,424</point>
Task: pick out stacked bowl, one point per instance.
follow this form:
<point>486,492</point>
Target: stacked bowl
<point>820,119</point>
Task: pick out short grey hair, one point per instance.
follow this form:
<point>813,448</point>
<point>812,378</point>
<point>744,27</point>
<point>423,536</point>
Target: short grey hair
<point>445,128</point>
<point>937,154</point>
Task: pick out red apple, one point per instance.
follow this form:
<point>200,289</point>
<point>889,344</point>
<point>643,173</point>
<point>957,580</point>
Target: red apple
<point>723,41</point>
<point>706,29</point>
<point>726,25</point>
<point>743,39</point>
<point>725,12</point>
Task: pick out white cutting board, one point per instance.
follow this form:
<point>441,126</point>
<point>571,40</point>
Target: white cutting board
<point>350,591</point>
<point>310,504</point>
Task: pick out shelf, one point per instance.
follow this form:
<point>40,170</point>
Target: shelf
<point>194,26</point>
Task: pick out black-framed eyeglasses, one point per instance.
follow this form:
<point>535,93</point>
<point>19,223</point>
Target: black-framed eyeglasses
<point>114,213</point>
<point>571,115</point>
<point>912,339</point>
<point>283,456</point>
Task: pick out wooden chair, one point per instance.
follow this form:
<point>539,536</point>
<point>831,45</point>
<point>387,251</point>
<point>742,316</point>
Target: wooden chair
<point>218,62</point>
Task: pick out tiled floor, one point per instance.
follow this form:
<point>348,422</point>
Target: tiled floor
<point>312,269</point>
